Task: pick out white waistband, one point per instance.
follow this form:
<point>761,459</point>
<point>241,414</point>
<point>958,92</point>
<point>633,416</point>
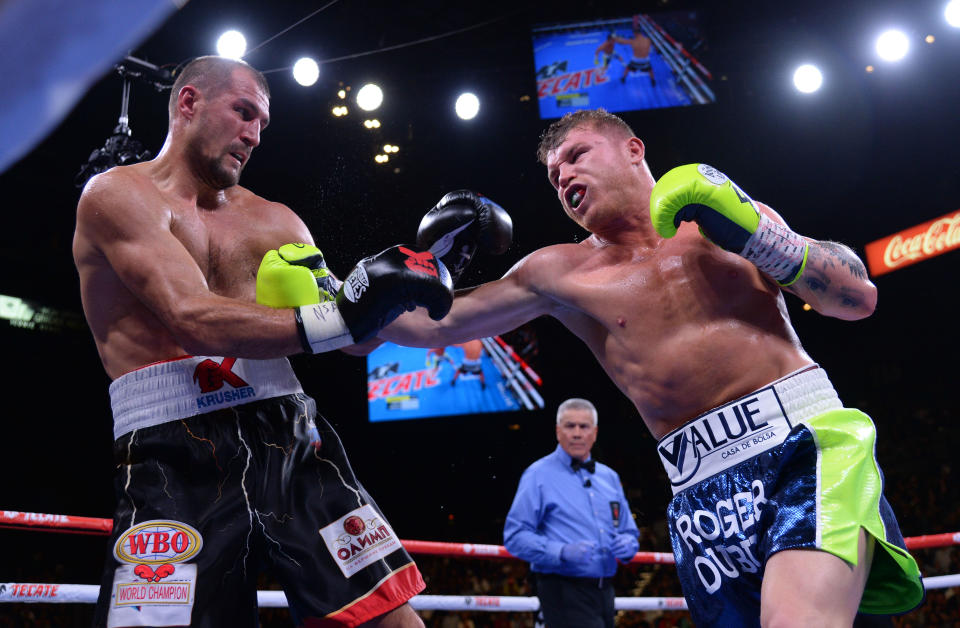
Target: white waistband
<point>744,427</point>
<point>185,387</point>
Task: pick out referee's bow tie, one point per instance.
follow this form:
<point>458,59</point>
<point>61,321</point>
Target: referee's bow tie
<point>589,465</point>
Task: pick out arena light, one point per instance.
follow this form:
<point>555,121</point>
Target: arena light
<point>342,94</point>
<point>381,159</point>
<point>232,44</point>
<point>372,124</point>
<point>467,106</point>
<point>807,78</point>
<point>952,13</point>
<point>892,45</point>
<point>306,71</point>
<point>369,97</point>
<point>340,111</point>
<point>390,148</point>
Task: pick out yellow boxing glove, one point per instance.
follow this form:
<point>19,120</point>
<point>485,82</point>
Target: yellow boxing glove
<point>294,275</point>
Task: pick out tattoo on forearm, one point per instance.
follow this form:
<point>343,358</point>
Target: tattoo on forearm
<point>831,254</point>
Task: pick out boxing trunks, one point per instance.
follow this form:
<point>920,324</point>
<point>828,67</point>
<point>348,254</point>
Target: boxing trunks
<point>224,470</point>
<point>785,467</point>
<point>639,65</point>
<point>472,367</point>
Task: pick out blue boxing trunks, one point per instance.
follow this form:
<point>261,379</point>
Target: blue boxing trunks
<point>785,467</point>
<point>224,471</point>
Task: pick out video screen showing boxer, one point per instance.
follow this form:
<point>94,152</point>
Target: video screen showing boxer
<point>643,61</point>
<point>496,374</point>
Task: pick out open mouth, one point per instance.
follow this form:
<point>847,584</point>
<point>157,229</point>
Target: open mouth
<point>239,157</point>
<point>575,196</point>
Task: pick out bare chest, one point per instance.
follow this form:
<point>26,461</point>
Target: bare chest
<point>641,297</point>
<point>227,245</point>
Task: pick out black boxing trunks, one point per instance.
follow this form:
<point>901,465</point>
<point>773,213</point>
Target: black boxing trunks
<point>639,65</point>
<point>247,479</point>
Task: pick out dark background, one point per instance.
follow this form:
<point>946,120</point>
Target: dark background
<point>868,155</point>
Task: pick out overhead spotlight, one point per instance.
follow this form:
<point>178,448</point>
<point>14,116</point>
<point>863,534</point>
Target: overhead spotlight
<point>340,111</point>
<point>929,39</point>
<point>952,13</point>
<point>232,44</point>
<point>369,97</point>
<point>807,78</point>
<point>306,71</point>
<point>869,69</point>
<point>892,45</point>
<point>342,94</point>
<point>372,124</point>
<point>390,148</point>
<point>381,159</point>
<point>467,106</point>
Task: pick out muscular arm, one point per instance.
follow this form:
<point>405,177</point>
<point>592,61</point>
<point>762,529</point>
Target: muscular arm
<point>489,309</point>
<point>118,219</point>
<point>834,281</point>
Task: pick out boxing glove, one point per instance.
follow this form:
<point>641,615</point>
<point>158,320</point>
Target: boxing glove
<point>460,223</point>
<point>728,218</point>
<point>378,290</point>
<point>295,274</point>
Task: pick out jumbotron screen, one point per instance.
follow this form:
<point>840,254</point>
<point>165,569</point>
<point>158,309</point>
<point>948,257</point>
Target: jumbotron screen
<point>643,61</point>
<point>474,377</point>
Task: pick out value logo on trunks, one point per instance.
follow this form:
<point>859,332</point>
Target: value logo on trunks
<point>723,437</point>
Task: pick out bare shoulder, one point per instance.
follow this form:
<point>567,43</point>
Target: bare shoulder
<point>118,200</point>
<point>280,216</point>
<point>539,269</point>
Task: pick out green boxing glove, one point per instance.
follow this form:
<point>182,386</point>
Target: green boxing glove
<point>727,217</point>
<point>294,275</point>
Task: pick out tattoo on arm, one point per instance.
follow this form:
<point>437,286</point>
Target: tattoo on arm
<point>831,254</point>
<point>826,258</point>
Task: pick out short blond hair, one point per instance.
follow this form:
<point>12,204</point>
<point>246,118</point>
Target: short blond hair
<point>599,119</point>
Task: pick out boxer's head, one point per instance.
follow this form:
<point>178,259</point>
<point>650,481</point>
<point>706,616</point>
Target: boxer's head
<point>218,107</point>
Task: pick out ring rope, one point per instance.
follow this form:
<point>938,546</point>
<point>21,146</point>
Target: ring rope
<point>92,525</point>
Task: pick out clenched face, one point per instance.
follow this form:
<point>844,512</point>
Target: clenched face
<point>226,129</point>
<point>594,174</point>
<point>576,432</point>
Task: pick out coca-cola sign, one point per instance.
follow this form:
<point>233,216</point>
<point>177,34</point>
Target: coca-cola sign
<point>915,244</point>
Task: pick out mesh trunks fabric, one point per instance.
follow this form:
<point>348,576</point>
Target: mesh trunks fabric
<point>207,503</point>
<point>786,467</point>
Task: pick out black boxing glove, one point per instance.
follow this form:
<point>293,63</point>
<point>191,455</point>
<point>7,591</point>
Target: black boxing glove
<point>378,290</point>
<point>460,222</point>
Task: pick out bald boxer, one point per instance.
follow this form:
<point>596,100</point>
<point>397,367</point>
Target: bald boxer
<point>778,516</point>
<point>196,289</point>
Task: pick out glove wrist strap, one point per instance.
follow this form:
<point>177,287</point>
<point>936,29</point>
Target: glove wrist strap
<point>777,251</point>
<point>322,328</point>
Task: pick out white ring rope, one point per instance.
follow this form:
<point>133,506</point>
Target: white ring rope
<point>87,594</point>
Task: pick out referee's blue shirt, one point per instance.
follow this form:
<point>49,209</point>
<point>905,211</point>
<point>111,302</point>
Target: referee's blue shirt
<point>553,507</point>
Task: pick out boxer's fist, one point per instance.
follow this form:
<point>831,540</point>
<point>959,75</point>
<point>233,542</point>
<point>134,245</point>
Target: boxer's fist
<point>293,275</point>
<point>460,223</point>
<point>727,217</point>
<point>378,290</point>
